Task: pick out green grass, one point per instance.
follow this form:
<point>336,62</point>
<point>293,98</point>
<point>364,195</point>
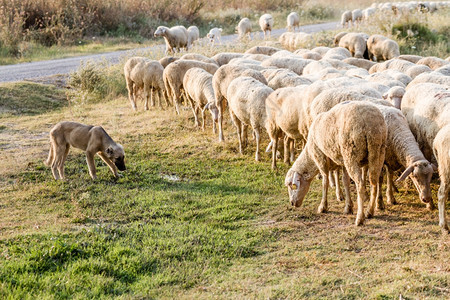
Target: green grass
<point>192,218</point>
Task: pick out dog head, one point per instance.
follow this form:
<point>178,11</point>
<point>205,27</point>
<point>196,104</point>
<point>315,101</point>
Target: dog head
<point>117,155</point>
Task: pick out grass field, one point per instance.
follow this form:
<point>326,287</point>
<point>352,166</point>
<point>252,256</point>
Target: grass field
<point>190,218</point>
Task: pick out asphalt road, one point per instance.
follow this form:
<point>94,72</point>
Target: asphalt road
<point>34,70</point>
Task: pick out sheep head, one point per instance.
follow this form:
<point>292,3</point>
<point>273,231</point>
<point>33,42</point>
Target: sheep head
<point>298,187</point>
<point>421,172</point>
<point>160,31</point>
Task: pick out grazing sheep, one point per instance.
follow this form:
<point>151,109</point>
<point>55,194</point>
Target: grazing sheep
<point>293,41</point>
<point>395,95</point>
<point>431,78</point>
<point>416,70</point>
<point>246,100</point>
<point>382,48</point>
<point>368,12</point>
<point>432,62</point>
<point>199,57</point>
<point>352,135</point>
<point>193,35</point>
<point>337,53</point>
<point>174,73</point>
<point>266,24</point>
<point>224,57</point>
<point>321,50</point>
<point>262,50</point>
<point>356,43</point>
<point>293,21</point>
<point>397,75</point>
<point>384,79</point>
<point>284,78</point>
<point>359,62</point>
<point>176,37</point>
<point>215,34</point>
<point>357,16</point>
<point>426,106</point>
<point>147,76</point>
<point>294,64</point>
<point>337,38</point>
<point>197,84</point>
<point>410,58</point>
<point>221,80</point>
<point>166,60</point>
<point>244,28</point>
<point>393,64</point>
<point>346,18</point>
<point>129,65</point>
<point>309,55</point>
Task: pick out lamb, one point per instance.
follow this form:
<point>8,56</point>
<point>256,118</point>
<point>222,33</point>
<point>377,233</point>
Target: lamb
<point>359,62</point>
<point>382,48</point>
<point>199,57</point>
<point>346,18</point>
<point>193,35</point>
<point>333,138</point>
<point>294,64</point>
<point>215,34</point>
<point>199,90</point>
<point>357,16</point>
<point>293,21</point>
<point>224,57</point>
<point>356,43</point>
<point>432,62</point>
<point>244,28</point>
<point>166,60</point>
<point>426,106</point>
<point>176,37</point>
<point>246,99</point>
<point>174,73</point>
<point>266,24</point>
<point>221,80</point>
<point>262,50</point>
<point>431,78</point>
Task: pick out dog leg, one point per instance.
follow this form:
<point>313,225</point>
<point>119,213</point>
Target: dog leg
<point>62,161</point>
<point>110,164</point>
<point>91,164</point>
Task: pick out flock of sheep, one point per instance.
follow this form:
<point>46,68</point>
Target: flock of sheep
<point>398,8</point>
<point>356,108</point>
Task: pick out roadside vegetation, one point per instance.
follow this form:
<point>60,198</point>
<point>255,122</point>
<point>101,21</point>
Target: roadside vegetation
<point>190,217</point>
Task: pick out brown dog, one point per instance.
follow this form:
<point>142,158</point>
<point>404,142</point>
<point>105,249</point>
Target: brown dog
<point>92,139</point>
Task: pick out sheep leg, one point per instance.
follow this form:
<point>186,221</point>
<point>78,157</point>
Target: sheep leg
<point>152,99</point>
<point>221,107</point>
<point>348,209</point>
<point>244,135</point>
<point>380,202</point>
<point>336,174</point>
<point>331,179</point>
<point>203,119</point>
<point>390,187</point>
<point>375,167</point>
<point>443,195</point>
<point>131,93</point>
<point>287,140</point>
<point>146,96</point>
<point>355,172</point>
<point>291,150</point>
<point>237,123</point>
<point>159,99</point>
<point>323,207</point>
<point>274,151</point>
<point>258,141</point>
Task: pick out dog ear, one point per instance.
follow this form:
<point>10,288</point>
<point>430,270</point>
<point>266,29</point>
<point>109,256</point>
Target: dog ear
<point>110,151</point>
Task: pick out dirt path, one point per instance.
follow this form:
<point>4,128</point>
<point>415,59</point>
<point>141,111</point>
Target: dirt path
<point>34,70</point>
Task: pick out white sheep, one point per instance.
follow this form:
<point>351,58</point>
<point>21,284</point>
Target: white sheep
<point>444,70</point>
<point>432,62</point>
<point>395,95</point>
<point>357,16</point>
<point>356,43</point>
<point>410,57</point>
<point>279,78</point>
<point>295,40</point>
<point>359,62</point>
<point>432,77</point>
<point>197,84</point>
<point>294,64</point>
<point>346,18</point>
<point>321,50</point>
<point>266,24</point>
<point>382,48</point>
<point>392,64</point>
<point>214,35</point>
<point>333,138</point>
<point>221,80</point>
<point>368,12</point>
<point>337,53</point>
<point>246,100</point>
<point>258,57</point>
<point>244,28</point>
<point>193,35</point>
<point>308,55</point>
<point>199,57</point>
<point>426,106</point>
<point>176,37</point>
<point>129,65</point>
<point>224,57</point>
<point>293,21</point>
<point>174,73</point>
<point>262,50</point>
<point>416,70</point>
<point>166,60</point>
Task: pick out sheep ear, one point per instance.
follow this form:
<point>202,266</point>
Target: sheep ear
<point>385,96</point>
<point>405,173</point>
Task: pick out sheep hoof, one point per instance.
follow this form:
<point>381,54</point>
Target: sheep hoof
<point>431,207</point>
<point>359,220</point>
<point>380,205</point>
<point>444,229</point>
<point>369,214</point>
<point>391,201</point>
<point>348,210</point>
<point>322,209</point>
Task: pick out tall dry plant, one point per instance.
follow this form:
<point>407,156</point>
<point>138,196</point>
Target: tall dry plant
<point>11,25</point>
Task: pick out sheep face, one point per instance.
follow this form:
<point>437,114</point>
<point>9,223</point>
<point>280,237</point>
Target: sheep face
<point>420,173</point>
<point>160,31</point>
<point>298,187</point>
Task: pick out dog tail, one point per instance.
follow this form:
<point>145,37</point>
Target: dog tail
<point>51,154</point>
